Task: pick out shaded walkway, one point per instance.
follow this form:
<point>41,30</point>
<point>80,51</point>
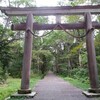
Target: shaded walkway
<point>55,88</point>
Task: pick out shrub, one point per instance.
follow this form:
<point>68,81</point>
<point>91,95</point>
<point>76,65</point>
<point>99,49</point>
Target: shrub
<point>3,75</point>
<point>80,74</point>
<point>76,73</point>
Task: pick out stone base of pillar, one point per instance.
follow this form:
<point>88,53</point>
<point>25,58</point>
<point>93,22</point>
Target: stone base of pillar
<point>90,90</point>
<point>92,93</point>
<point>24,91</point>
<point>23,96</point>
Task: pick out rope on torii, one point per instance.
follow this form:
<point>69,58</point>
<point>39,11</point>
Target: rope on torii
<point>59,25</point>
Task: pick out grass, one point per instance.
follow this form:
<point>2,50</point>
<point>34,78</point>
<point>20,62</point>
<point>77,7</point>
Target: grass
<point>13,84</point>
<point>77,83</point>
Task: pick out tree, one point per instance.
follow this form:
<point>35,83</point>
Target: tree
<point>41,60</point>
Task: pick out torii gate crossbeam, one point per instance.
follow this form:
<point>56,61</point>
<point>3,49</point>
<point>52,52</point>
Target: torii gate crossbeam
<point>37,26</point>
<point>45,11</point>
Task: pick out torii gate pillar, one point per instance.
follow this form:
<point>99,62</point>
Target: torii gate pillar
<point>92,66</point>
<point>27,57</point>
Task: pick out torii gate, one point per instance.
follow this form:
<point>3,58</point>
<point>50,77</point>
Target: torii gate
<point>86,11</point>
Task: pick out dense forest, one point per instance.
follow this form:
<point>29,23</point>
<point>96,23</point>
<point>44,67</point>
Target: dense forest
<point>56,51</point>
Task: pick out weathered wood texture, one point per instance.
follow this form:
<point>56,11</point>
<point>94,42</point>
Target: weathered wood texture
<point>45,11</point>
<point>25,88</point>
<point>92,65</point>
<point>22,26</point>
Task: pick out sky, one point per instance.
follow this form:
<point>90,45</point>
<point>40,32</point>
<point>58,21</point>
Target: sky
<point>39,3</point>
<point>46,2</point>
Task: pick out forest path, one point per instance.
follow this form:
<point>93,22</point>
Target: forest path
<point>53,87</point>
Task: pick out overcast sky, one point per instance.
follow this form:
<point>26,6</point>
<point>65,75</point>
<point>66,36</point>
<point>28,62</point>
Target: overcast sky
<point>49,2</point>
<point>46,2</point>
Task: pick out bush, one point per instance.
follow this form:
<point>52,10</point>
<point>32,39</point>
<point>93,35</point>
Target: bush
<point>3,75</point>
<point>15,68</point>
<point>80,74</point>
<point>76,73</point>
<point>63,72</point>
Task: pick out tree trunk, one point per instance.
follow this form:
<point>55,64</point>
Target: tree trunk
<point>43,67</point>
<point>80,59</point>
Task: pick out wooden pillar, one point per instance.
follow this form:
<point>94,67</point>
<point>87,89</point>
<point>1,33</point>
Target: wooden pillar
<point>58,19</point>
<point>27,57</point>
<point>92,65</point>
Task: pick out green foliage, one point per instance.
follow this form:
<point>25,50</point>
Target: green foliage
<point>75,18</point>
<point>98,58</point>
<point>63,72</point>
<point>76,49</point>
<point>77,83</point>
<point>47,53</point>
<point>71,2</point>
<point>12,85</point>
<point>97,44</point>
<point>7,89</point>
<point>80,74</point>
<point>41,19</point>
<point>38,60</point>
<point>97,47</point>
<point>22,3</point>
<point>95,1</point>
<point>55,38</point>
<point>3,76</point>
<point>5,55</point>
<point>16,61</point>
<point>77,2</point>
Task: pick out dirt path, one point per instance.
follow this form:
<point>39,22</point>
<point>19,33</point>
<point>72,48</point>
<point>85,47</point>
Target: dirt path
<point>54,88</point>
